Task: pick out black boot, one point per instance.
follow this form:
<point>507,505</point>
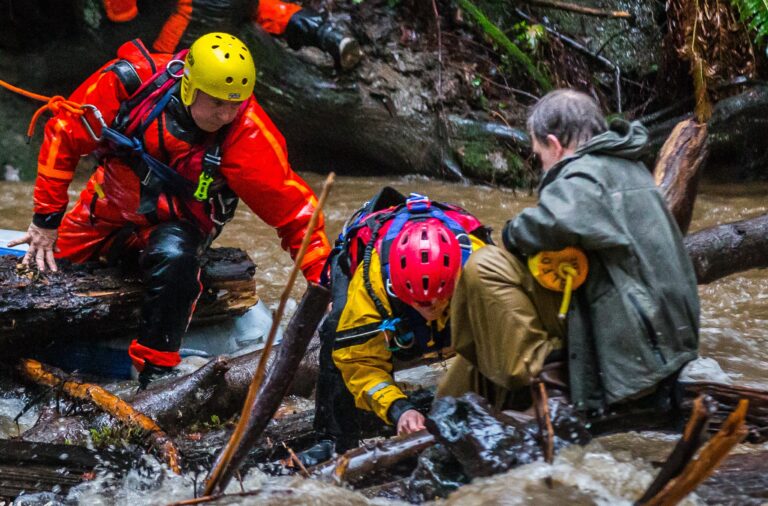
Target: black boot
<point>152,372</point>
<point>307,28</point>
<point>322,451</point>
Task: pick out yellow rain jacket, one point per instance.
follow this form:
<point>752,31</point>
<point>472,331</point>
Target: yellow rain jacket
<point>362,350</point>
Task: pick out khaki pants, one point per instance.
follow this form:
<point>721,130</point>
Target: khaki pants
<point>501,318</point>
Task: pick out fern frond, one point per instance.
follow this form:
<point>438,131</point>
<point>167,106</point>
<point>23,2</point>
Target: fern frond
<point>754,14</point>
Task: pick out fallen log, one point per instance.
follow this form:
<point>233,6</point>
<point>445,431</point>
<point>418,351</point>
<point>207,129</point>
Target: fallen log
<point>107,402</point>
<point>728,398</point>
<point>358,462</point>
<point>726,249</point>
<point>678,169</point>
<point>90,301</point>
<point>40,467</point>
<point>218,388</point>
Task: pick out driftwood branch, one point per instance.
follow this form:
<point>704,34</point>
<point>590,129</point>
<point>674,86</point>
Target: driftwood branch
<point>107,402</point>
<point>689,443</point>
<point>266,401</point>
<point>699,469</point>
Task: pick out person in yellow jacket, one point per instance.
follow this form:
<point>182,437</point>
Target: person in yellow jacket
<point>392,275</point>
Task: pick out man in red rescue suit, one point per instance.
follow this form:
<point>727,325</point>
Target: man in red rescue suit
<point>392,275</point>
<point>301,26</point>
<point>182,140</point>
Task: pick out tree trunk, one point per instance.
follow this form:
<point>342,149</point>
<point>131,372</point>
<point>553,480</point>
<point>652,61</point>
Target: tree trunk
<point>730,248</point>
<point>679,167</point>
<point>90,300</point>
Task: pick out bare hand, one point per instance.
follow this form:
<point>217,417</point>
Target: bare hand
<point>410,421</point>
<point>42,245</point>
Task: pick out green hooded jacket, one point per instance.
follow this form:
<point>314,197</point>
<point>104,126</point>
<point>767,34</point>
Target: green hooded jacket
<point>635,321</point>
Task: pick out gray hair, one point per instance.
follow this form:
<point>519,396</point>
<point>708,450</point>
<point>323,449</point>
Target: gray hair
<point>571,116</point>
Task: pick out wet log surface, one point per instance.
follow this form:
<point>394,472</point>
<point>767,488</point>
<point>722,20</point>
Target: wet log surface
<point>727,397</point>
<point>679,167</point>
<point>726,249</point>
<point>42,467</point>
<point>742,479</point>
<point>90,300</point>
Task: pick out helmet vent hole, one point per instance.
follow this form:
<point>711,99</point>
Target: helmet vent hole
<point>425,283</point>
<point>424,257</point>
<point>443,238</point>
<point>408,285</point>
<point>446,260</point>
<point>226,55</point>
<point>442,285</point>
<point>218,36</point>
<point>242,57</point>
<point>215,46</point>
<point>245,81</point>
<point>229,80</point>
<point>404,240</point>
<point>423,235</point>
<point>402,262</point>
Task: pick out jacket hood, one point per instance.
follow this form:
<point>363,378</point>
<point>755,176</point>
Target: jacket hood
<point>622,139</point>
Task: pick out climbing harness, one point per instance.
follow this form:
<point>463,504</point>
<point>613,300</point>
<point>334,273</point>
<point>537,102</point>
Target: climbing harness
<point>561,271</point>
<point>124,138</point>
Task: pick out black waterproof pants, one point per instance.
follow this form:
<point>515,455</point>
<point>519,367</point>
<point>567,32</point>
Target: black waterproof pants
<point>170,268</point>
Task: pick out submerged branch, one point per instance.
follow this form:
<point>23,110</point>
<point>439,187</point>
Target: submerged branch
<point>107,402</point>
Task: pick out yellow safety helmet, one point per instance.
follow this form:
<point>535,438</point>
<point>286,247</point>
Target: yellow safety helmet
<point>220,65</point>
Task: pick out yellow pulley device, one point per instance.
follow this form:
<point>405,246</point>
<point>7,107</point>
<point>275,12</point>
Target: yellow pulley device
<point>561,271</point>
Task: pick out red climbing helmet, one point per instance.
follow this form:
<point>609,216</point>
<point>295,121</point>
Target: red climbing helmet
<point>424,262</point>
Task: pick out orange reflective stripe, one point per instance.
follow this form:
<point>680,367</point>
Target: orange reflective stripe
<point>274,15</point>
<point>312,255</point>
<point>278,149</point>
<point>48,169</point>
<point>174,28</point>
<point>303,190</point>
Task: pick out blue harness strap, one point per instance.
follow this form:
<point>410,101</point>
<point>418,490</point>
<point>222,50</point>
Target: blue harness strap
<point>134,146</point>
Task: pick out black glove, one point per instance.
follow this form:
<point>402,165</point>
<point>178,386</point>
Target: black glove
<point>152,372</point>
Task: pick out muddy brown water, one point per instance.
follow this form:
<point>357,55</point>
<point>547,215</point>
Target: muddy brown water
<point>611,470</point>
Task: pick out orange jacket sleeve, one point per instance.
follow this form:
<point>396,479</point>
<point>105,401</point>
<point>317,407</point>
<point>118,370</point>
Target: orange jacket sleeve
<point>255,165</point>
<point>65,140</point>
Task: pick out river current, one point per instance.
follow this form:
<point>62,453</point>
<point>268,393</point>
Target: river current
<point>610,470</point>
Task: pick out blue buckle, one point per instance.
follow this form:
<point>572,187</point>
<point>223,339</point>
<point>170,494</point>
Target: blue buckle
<point>418,202</point>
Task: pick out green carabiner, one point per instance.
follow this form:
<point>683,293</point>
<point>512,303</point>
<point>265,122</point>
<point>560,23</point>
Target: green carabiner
<point>203,183</point>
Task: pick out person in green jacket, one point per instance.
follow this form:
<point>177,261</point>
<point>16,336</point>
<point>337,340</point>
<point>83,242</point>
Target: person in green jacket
<point>633,323</point>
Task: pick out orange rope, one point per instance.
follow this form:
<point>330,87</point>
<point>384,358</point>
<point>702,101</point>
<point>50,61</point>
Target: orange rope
<point>54,104</point>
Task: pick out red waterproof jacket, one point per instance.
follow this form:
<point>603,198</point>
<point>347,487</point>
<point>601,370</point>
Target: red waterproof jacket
<point>254,164</point>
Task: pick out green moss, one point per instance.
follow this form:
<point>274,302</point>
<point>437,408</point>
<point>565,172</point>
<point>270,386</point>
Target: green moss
<point>116,436</point>
<point>487,161</point>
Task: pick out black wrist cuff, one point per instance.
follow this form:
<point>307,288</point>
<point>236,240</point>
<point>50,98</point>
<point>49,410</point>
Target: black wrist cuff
<point>397,408</point>
<point>49,221</point>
